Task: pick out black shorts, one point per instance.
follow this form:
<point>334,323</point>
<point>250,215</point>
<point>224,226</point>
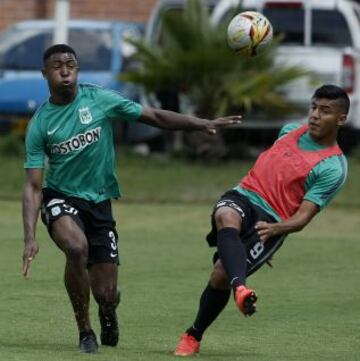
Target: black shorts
<point>95,219</point>
<point>257,252</point>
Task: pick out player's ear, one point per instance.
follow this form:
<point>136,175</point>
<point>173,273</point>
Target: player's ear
<point>341,120</point>
<point>43,72</point>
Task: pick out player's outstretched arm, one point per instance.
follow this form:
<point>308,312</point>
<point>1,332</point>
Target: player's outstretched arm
<point>166,119</point>
<point>295,223</point>
<point>31,201</point>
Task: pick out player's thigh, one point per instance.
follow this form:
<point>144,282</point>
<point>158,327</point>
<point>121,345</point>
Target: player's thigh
<point>68,235</point>
<point>63,222</point>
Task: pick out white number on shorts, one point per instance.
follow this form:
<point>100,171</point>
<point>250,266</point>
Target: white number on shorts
<point>112,240</point>
<point>257,249</point>
<point>70,210</point>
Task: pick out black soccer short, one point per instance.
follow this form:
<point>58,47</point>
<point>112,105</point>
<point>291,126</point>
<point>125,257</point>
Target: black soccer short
<point>95,219</point>
<point>257,252</point>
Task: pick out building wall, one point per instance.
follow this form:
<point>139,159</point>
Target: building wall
<point>133,10</point>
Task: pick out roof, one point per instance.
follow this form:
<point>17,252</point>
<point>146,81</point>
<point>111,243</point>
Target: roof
<point>75,23</point>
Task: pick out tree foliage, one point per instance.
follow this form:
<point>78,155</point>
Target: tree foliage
<point>193,59</point>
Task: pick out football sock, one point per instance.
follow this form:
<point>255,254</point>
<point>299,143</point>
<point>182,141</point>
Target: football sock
<point>232,254</point>
<point>212,302</point>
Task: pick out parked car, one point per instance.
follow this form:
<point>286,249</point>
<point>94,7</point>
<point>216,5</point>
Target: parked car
<point>102,51</point>
<point>153,27</point>
<point>321,36</point>
<point>154,35</point>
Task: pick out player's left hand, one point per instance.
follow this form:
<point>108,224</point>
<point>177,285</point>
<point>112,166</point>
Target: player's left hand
<point>266,230</point>
<point>30,250</point>
<point>212,125</point>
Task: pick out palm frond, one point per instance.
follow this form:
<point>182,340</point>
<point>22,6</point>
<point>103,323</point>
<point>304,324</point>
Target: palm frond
<point>194,59</point>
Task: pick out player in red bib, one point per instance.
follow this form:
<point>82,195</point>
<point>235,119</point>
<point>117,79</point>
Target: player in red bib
<point>288,185</point>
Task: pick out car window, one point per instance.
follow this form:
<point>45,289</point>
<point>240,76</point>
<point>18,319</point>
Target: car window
<point>338,34</point>
<point>170,13</point>
<point>127,49</point>
<point>357,13</point>
<point>93,48</point>
<point>23,49</point>
<point>173,12</point>
<point>287,22</point>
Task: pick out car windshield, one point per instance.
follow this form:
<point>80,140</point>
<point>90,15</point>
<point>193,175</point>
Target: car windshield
<point>15,46</point>
<point>289,23</point>
<point>338,34</point>
<point>158,35</point>
<point>22,49</point>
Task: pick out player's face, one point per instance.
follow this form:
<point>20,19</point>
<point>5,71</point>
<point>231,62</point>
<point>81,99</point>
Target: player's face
<point>61,70</point>
<point>324,120</point>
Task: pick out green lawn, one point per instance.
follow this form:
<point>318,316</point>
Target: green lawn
<point>309,304</point>
<point>173,180</point>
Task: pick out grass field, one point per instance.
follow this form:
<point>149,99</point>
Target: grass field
<point>174,180</point>
<point>309,304</point>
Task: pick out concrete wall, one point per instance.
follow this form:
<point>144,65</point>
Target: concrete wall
<point>133,10</point>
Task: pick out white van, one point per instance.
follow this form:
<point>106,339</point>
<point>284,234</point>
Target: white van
<point>320,35</point>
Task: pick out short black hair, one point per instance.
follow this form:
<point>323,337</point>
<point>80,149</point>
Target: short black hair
<point>58,48</point>
<point>333,92</point>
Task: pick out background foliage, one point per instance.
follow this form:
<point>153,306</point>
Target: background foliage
<point>166,179</point>
<point>192,59</point>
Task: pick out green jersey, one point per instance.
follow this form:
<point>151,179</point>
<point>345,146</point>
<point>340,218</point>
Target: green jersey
<point>322,183</point>
<point>75,142</point>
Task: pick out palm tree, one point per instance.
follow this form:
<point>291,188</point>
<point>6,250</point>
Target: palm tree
<point>195,62</point>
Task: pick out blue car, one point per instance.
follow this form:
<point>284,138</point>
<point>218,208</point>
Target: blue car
<point>102,51</point>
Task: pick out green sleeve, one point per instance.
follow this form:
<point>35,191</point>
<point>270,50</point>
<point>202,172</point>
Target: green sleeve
<point>116,106</point>
<point>34,146</point>
<point>326,180</point>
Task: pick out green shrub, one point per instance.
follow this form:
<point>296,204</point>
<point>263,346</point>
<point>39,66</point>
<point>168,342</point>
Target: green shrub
<point>11,145</point>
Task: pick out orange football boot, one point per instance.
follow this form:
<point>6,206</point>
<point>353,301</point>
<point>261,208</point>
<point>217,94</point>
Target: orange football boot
<point>245,298</point>
<point>187,346</point>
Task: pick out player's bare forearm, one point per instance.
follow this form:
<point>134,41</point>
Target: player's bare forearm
<point>31,202</point>
<point>166,119</point>
<point>293,224</point>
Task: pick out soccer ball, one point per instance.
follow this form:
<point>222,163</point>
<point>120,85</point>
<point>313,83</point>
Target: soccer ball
<point>249,33</point>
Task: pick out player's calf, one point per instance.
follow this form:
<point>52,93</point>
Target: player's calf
<point>109,323</point>
<point>109,327</point>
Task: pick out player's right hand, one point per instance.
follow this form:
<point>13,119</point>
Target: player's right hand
<point>265,230</point>
<point>30,250</point>
<point>212,125</point>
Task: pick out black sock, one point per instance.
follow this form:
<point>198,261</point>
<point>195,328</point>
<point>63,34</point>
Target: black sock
<point>83,334</point>
<point>232,254</point>
<point>212,302</point>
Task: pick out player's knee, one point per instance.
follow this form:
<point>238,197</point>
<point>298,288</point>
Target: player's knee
<point>219,279</point>
<point>227,217</point>
<point>76,251</point>
<point>107,295</point>
<point>72,243</point>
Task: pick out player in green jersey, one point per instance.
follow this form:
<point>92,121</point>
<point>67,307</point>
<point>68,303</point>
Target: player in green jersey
<point>71,136</point>
<point>288,185</point>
